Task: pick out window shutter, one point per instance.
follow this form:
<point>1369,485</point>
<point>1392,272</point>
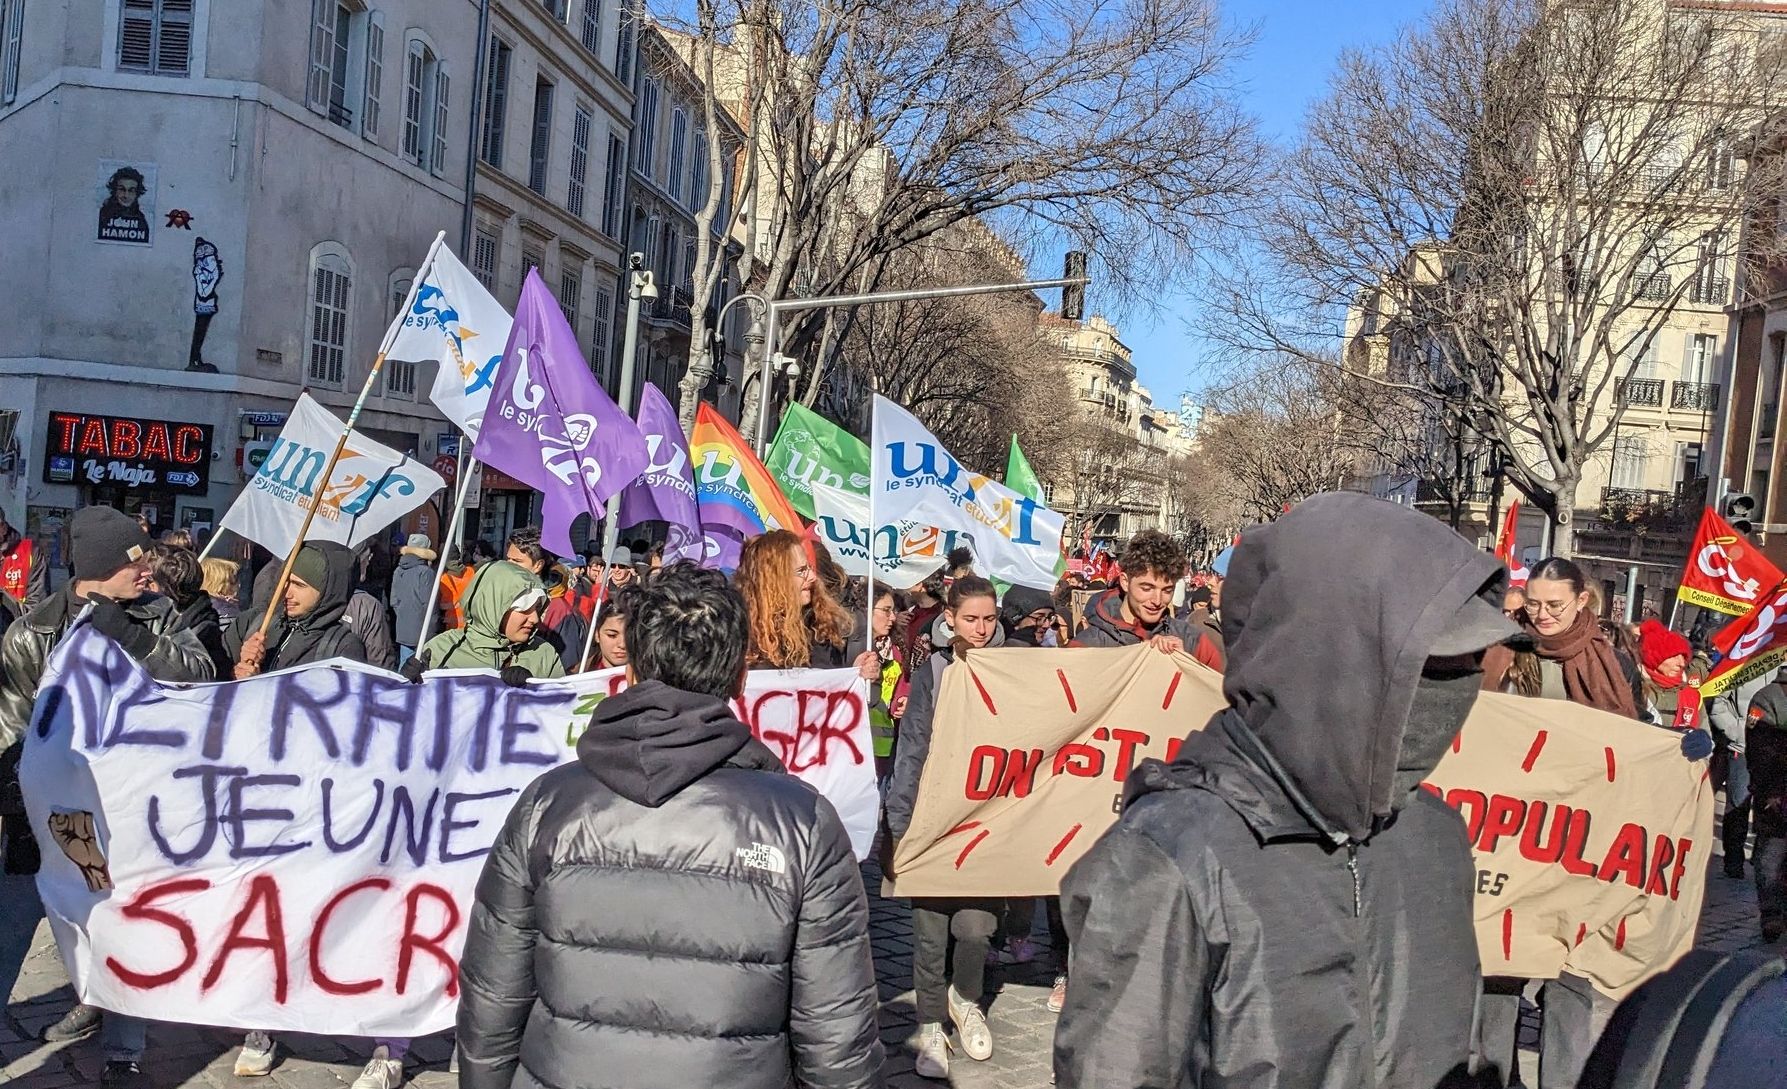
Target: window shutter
<point>173,38</point>
<point>375,75</point>
<point>574,193</point>
<point>496,99</point>
<point>12,33</point>
<point>322,54</point>
<point>136,36</point>
<point>611,187</point>
<point>441,83</point>
<point>679,139</point>
<point>414,65</point>
<point>592,26</point>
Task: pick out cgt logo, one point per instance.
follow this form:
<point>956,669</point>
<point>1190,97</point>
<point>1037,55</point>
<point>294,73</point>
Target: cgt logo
<point>1715,562</point>
<point>1760,633</point>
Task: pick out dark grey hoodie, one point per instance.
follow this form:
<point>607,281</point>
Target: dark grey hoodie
<point>1279,908</point>
<point>672,910</point>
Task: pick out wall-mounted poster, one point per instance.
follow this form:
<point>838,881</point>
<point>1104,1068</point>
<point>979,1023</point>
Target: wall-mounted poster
<point>125,192</point>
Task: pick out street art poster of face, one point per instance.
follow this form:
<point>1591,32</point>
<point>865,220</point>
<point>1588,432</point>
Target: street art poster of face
<point>126,195</point>
<point>207,273</point>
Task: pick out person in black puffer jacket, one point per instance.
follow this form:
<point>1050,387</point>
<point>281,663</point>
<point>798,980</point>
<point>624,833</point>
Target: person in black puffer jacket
<point>673,909</point>
<point>307,626</point>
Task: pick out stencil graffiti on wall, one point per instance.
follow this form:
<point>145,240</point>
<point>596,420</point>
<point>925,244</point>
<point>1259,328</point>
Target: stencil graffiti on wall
<point>126,195</point>
<point>207,274</point>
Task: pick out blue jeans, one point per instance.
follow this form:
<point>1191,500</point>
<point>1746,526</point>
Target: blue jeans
<point>123,1038</point>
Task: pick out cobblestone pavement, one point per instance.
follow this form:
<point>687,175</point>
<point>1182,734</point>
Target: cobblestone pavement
<point>201,1058</point>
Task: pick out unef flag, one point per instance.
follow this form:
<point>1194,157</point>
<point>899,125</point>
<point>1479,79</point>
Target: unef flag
<point>1725,572</point>
<point>454,322</point>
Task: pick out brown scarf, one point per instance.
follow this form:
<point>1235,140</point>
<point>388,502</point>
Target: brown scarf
<point>1592,673</point>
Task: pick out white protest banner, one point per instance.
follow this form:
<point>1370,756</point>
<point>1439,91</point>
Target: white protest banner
<point>300,851</point>
<point>372,487</point>
<point>913,478</point>
<point>905,554</point>
<point>1589,830</point>
<point>455,323</point>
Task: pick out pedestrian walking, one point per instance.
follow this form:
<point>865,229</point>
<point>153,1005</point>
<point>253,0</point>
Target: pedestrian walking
<point>174,573</point>
<point>950,936</point>
<point>109,553</point>
<point>410,584</point>
<point>1282,905</point>
<point>672,909</point>
<point>610,649</point>
<point>1139,608</point>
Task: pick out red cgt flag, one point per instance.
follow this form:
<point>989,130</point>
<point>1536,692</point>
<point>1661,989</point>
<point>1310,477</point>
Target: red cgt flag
<point>1751,645</point>
<point>1507,545</point>
<point>1725,572</point>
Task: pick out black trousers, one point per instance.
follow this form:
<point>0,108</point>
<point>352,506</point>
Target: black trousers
<point>950,939</point>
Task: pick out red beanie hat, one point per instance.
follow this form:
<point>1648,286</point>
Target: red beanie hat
<point>1657,644</point>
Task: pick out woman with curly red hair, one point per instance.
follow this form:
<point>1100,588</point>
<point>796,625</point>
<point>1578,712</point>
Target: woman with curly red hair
<point>795,621</point>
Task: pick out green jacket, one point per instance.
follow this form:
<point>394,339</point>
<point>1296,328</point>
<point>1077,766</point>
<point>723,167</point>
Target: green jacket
<point>480,644</point>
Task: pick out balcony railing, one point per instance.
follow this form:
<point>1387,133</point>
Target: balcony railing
<point>1643,392</point>
<point>673,308</point>
<point>1710,289</point>
<point>1654,285</point>
<point>1695,396</point>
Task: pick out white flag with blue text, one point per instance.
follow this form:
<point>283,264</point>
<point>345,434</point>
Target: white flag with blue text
<point>456,323</point>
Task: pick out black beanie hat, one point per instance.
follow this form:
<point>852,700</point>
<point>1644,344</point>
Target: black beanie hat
<point>103,539</point>
<point>312,567</point>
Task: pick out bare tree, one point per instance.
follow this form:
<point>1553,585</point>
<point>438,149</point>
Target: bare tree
<point>1275,438</point>
<point>1532,188</point>
<point>871,127</point>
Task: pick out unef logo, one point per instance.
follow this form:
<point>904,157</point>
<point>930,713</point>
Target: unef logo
<point>1010,515</point>
<point>1715,562</point>
<point>296,466</point>
<point>432,310</point>
<point>564,441</point>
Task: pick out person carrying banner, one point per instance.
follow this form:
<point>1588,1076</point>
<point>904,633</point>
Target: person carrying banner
<point>563,626</point>
<point>1281,904</point>
<point>947,976</point>
<point>409,592</point>
<point>1671,674</point>
<point>795,621</point>
<point>109,560</point>
<point>1766,751</point>
<point>672,909</point>
<point>1139,609</point>
<point>503,606</point>
<point>307,628</point>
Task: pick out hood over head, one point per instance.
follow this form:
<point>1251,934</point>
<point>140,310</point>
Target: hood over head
<point>333,567</point>
<point>651,741</point>
<point>1331,615</point>
<point>488,598</point>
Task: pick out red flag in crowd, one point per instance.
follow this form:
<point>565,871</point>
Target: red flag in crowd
<point>1751,645</point>
<point>1507,546</point>
<point>1725,572</point>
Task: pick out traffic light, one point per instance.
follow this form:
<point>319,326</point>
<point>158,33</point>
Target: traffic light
<point>1073,296</point>
<point>1739,508</point>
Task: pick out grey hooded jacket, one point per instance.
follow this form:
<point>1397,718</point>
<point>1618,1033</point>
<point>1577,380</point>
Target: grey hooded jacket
<point>1279,908</point>
<point>672,910</point>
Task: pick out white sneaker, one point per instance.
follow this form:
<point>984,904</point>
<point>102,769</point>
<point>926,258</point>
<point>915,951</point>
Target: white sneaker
<point>383,1072</point>
<point>933,1052</point>
<point>255,1060</point>
<point>971,1027</point>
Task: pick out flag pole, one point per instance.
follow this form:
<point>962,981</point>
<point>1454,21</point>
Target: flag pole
<point>378,365</point>
<point>454,523</point>
<point>874,460</point>
<point>640,286</point>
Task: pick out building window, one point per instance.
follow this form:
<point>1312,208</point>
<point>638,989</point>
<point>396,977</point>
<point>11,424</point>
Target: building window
<point>598,347</point>
<point>623,49</point>
<point>484,247</point>
<point>647,144</point>
<point>688,281</point>
<point>540,148</point>
<point>532,257</point>
<point>556,8</point>
<point>1721,163</point>
<point>592,26</point>
<point>679,138</point>
<point>1697,363</point>
<point>496,99</point>
<point>400,376</point>
<point>331,284</point>
<point>12,37</point>
<point>612,181</point>
<point>570,293</point>
<point>425,89</point>
<point>375,75</point>
<point>650,246</point>
<point>155,36</point>
<point>698,174</point>
<point>1631,461</point>
<point>580,126</point>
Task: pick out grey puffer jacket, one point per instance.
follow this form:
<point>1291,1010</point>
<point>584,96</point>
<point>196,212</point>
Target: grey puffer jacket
<point>175,654</point>
<point>672,910</point>
<point>1280,908</point>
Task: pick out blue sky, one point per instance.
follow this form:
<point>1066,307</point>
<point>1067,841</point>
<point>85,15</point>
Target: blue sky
<point>1294,51</point>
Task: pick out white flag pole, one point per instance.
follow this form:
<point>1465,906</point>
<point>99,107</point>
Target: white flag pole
<point>378,366</point>
<point>454,523</point>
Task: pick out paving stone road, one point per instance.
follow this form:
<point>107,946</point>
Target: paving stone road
<point>185,1057</point>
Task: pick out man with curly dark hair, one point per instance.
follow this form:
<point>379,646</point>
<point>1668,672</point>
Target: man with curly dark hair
<point>1139,609</point>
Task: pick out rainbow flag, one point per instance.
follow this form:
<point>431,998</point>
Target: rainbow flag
<point>732,487</point>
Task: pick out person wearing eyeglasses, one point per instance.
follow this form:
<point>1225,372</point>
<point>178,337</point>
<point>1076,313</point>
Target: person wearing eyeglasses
<point>796,623</point>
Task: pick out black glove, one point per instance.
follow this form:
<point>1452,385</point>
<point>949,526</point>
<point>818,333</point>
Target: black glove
<point>1697,744</point>
<point>515,676</point>
<point>412,669</point>
<point>110,620</point>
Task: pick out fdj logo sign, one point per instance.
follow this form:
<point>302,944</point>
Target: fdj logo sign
<point>295,467</point>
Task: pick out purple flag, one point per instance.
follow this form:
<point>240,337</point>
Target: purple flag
<point>550,425</point>
<point>721,548</point>
<point>666,493</point>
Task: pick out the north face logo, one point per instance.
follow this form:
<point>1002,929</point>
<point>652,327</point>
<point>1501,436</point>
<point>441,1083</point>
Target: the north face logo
<point>761,856</point>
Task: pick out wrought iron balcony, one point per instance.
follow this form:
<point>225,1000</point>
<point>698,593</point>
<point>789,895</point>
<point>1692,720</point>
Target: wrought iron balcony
<point>1654,285</point>
<point>1695,396</point>
<point>672,308</point>
<point>1715,290</point>
<point>1643,392</point>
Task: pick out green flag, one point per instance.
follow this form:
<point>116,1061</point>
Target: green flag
<point>811,449</point>
<point>1019,477</point>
